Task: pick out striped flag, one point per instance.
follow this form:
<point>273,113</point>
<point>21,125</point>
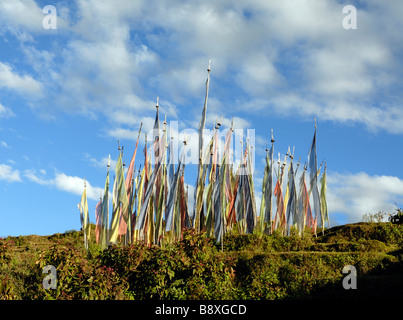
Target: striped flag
<point>161,189</point>
<point>267,190</point>
<point>172,199</point>
<point>123,226</point>
<point>98,221</point>
<point>120,201</point>
<point>313,177</point>
<point>323,201</point>
<point>105,213</point>
<point>144,215</point>
<point>280,219</point>
<point>201,178</point>
<point>85,218</point>
<point>292,200</point>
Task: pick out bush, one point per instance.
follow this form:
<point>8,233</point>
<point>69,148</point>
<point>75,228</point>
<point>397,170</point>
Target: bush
<point>255,266</point>
<point>77,277</point>
<point>189,269</point>
<point>257,278</point>
<point>7,288</point>
<point>5,256</point>
<point>389,233</point>
<point>277,242</point>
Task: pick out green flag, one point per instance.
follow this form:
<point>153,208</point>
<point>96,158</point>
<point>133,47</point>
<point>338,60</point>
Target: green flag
<point>323,202</point>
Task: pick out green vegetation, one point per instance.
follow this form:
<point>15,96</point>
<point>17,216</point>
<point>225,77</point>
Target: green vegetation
<point>254,266</point>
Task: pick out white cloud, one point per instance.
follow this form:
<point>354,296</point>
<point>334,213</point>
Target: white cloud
<point>23,18</point>
<point>335,109</point>
<point>21,14</point>
<point>32,176</point>
<point>5,112</point>
<point>75,185</point>
<point>100,163</point>
<point>4,144</point>
<point>212,118</point>
<point>23,84</point>
<point>122,133</point>
<point>349,67</point>
<point>293,58</point>
<point>259,75</point>
<point>9,174</point>
<point>63,182</point>
<point>359,193</point>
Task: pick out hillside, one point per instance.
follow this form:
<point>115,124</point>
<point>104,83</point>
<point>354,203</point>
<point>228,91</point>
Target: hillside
<point>250,267</point>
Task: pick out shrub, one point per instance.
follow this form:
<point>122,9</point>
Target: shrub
<point>257,278</point>
<point>123,259</point>
<point>77,277</point>
<point>254,266</point>
<point>389,233</point>
<point>189,269</point>
<point>5,256</point>
<point>7,288</point>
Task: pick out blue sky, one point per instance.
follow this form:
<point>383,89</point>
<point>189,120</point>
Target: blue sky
<point>68,94</point>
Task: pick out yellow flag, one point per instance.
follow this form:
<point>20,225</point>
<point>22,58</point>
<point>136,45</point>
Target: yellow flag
<point>113,237</point>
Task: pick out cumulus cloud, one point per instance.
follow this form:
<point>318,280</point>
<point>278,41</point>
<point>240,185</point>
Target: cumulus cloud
<point>292,58</point>
<point>64,182</point>
<point>100,163</point>
<point>11,80</point>
<point>355,194</point>
<point>7,173</point>
<point>75,185</point>
<point>21,16</point>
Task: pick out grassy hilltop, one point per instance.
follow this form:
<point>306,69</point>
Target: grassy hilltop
<point>252,266</point>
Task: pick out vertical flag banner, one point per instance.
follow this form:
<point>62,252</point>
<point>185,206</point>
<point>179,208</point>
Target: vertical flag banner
<point>154,207</point>
<point>313,177</point>
<point>105,213</point>
<point>85,218</point>
<point>98,221</point>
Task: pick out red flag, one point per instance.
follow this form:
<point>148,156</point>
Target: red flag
<point>129,176</point>
<point>280,206</point>
<point>128,184</point>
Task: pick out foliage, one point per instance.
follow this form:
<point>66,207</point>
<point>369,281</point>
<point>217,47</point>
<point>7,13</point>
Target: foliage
<point>77,277</point>
<point>185,270</point>
<point>4,252</point>
<point>254,266</point>
<point>258,242</point>
<point>258,278</point>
